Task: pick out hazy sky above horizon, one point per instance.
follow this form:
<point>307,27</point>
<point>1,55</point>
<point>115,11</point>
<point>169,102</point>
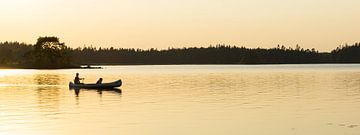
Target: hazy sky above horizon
<point>320,24</point>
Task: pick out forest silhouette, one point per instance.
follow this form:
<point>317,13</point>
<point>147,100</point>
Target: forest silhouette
<point>49,52</point>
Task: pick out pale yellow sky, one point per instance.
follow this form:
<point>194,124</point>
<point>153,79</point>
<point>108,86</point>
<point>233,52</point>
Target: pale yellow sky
<point>322,24</point>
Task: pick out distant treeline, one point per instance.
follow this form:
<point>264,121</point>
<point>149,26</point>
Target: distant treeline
<point>219,54</point>
<point>14,53</point>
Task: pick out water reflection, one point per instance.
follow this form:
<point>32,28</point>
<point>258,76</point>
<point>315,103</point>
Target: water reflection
<point>47,79</point>
<point>99,91</point>
<point>48,96</point>
<point>210,100</point>
<point>77,92</point>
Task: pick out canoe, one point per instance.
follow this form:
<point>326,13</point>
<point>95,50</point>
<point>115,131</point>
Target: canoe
<point>111,85</point>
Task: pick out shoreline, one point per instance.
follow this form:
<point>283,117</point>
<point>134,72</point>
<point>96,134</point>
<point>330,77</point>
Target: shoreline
<point>100,66</point>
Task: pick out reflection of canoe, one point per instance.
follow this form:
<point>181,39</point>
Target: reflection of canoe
<point>96,86</point>
<point>99,91</point>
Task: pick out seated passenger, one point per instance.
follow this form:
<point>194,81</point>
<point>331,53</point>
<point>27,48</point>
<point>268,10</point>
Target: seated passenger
<point>99,81</point>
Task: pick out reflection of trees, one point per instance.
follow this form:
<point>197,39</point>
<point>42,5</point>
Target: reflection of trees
<point>47,79</point>
<point>48,99</point>
<point>48,96</point>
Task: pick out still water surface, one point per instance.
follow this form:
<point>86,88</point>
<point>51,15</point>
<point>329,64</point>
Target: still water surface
<point>185,99</point>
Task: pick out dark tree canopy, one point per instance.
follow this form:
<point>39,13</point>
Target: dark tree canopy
<point>49,52</point>
<point>347,54</point>
<point>220,54</point>
<point>49,43</point>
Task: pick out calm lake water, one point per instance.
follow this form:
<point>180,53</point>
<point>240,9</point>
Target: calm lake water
<point>185,99</point>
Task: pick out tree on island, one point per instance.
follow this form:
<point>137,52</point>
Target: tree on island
<point>49,52</point>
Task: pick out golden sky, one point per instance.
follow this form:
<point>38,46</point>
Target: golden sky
<point>322,24</point>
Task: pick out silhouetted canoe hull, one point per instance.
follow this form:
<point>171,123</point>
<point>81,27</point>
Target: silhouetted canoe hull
<point>111,85</point>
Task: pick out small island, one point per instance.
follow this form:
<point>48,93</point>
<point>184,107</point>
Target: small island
<point>47,53</point>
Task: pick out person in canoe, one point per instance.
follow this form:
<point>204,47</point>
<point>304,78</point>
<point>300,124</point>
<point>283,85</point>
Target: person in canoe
<point>99,81</point>
<point>77,79</point>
